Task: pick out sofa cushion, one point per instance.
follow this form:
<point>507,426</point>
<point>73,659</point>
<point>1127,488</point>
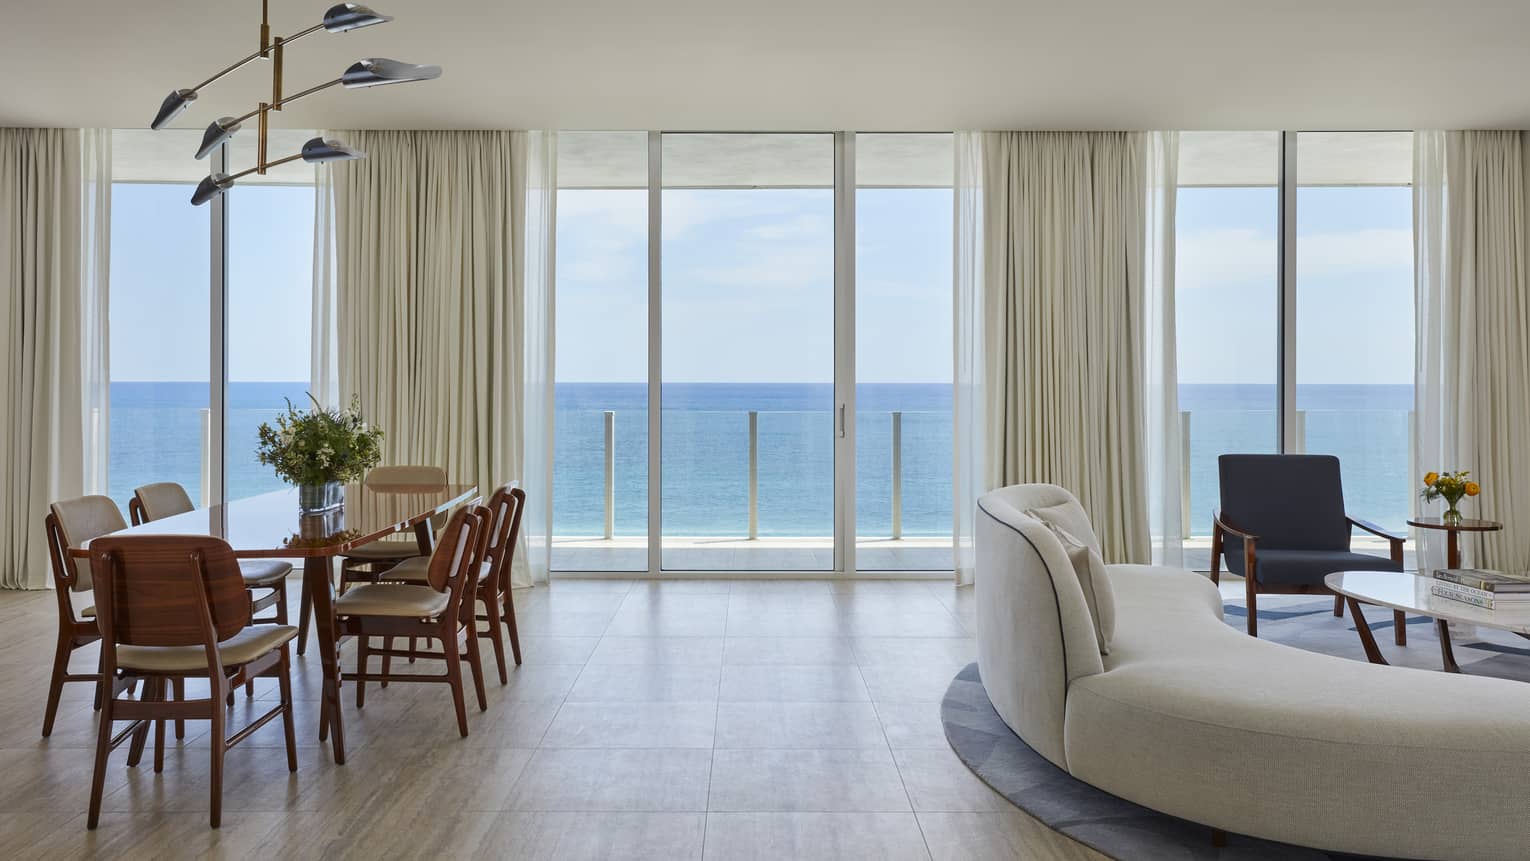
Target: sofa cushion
<point>1294,567</point>
<point>1068,516</point>
<point>1090,570</point>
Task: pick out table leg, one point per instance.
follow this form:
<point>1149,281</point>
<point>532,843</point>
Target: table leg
<point>318,581</point>
<point>1367,640</point>
<point>423,536</point>
<point>1452,549</point>
<point>1446,655</point>
<point>305,612</point>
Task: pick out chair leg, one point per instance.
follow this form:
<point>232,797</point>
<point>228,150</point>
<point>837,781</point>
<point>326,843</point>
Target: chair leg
<point>508,614</point>
<point>284,683</point>
<point>156,687</point>
<point>1399,627</point>
<point>178,687</point>
<point>362,654</point>
<point>281,602</point>
<point>56,684</point>
<point>218,746</point>
<point>496,637</point>
<point>141,734</point>
<point>387,659</point>
<point>103,750</point>
<point>1338,606</point>
<point>1252,592</point>
<point>305,610</point>
<point>475,662</point>
<point>454,678</point>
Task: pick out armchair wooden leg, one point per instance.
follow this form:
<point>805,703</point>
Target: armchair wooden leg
<point>1400,627</point>
<point>1216,554</point>
<point>1251,590</point>
<point>1338,606</point>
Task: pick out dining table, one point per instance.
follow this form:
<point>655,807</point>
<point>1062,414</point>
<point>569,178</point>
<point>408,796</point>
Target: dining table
<point>270,526</point>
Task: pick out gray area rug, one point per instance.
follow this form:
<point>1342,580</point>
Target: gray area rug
<point>1123,830</point>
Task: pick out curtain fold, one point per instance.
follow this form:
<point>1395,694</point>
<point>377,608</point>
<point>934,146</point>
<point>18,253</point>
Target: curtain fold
<point>1163,452</point>
<point>55,206</point>
<point>443,315</point>
<point>324,358</point>
<point>1055,291</point>
<point>1472,294</point>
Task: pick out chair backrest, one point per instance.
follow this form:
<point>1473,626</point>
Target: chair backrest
<point>507,504</point>
<point>1291,501</point>
<point>158,501</point>
<point>406,475</point>
<point>452,564</point>
<point>1035,634</point>
<point>168,590</point>
<point>73,522</point>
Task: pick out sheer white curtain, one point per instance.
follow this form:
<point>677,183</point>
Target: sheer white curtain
<point>1472,286</point>
<point>970,477</point>
<point>1163,451</point>
<point>324,358</point>
<point>443,270</point>
<point>55,217</point>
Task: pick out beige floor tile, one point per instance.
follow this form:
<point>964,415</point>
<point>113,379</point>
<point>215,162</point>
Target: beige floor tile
<point>798,725</point>
<point>615,780</point>
<point>633,725</point>
<point>785,683</point>
<point>848,836</point>
<point>863,780</point>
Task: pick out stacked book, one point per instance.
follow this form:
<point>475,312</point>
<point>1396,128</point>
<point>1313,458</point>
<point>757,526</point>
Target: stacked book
<point>1482,588</point>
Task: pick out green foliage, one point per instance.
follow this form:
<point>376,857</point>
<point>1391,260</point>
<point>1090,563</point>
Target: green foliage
<point>320,445</point>
<point>1449,485</point>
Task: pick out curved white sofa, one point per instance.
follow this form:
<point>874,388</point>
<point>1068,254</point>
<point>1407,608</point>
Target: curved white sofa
<point>1193,718</point>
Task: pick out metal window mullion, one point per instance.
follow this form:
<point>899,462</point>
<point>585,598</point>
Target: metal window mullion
<point>844,352</point>
<point>1286,374</point>
<point>655,352</point>
<point>217,368</point>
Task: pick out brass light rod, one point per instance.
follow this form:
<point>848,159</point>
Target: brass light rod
<point>257,55</point>
<point>287,101</point>
<point>262,168</point>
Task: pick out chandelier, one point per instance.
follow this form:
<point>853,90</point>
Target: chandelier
<point>369,72</point>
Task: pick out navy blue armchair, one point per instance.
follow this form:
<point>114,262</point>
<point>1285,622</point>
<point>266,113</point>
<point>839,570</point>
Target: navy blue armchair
<point>1283,528</point>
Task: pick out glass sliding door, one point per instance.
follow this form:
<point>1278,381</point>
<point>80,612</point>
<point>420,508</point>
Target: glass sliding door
<point>1354,315</point>
<point>903,351</point>
<point>747,391</point>
<point>600,457</point>
<point>270,307</point>
<point>1227,310</point>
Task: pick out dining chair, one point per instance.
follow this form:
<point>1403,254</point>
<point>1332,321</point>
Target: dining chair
<point>439,609</point>
<point>174,607</point>
<point>70,523</point>
<point>1283,528</point>
<point>497,549</point>
<point>167,498</point>
<point>363,564</point>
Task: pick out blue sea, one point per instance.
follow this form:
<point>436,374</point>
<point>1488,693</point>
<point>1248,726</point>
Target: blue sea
<point>156,436</point>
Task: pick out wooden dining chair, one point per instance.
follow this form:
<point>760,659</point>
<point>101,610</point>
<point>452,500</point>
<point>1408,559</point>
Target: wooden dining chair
<point>70,523</point>
<point>496,549</point>
<point>173,607</point>
<point>439,609</point>
<point>167,498</point>
<point>363,564</point>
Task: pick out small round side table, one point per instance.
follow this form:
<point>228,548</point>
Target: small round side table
<point>1453,532</point>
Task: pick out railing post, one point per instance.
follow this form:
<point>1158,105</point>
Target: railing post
<point>897,474</point>
<point>610,416</point>
<point>206,456</point>
<point>1184,473</point>
<point>754,474</point>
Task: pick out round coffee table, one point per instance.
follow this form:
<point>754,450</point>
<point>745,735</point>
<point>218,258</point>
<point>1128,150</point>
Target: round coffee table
<point>1410,594</point>
<point>1453,533</point>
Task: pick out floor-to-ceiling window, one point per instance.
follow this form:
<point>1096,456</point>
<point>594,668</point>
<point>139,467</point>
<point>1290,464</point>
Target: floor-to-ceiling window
<point>159,312</point>
<point>270,306</point>
<point>903,351</point>
<point>600,459</point>
<point>1294,295</point>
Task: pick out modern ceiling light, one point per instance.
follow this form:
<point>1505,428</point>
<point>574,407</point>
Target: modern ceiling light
<point>370,72</point>
<point>315,151</point>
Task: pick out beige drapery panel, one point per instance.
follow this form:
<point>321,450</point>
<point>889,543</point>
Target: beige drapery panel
<point>55,193</point>
<point>438,331</point>
<point>1472,284</point>
<point>1061,219</point>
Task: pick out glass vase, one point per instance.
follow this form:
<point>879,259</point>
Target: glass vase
<point>1452,515</point>
<point>317,498</point>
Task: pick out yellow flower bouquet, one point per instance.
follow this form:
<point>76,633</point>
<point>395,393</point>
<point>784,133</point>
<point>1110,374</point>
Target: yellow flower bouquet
<point>1450,486</point>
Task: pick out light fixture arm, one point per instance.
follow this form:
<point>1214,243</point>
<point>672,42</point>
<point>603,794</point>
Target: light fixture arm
<point>257,55</point>
<point>276,106</point>
<point>262,168</point>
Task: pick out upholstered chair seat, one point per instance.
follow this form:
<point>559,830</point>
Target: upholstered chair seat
<point>392,599</point>
<point>389,549</point>
<point>1295,567</point>
<point>264,573</point>
<point>417,570</point>
<point>242,648</point>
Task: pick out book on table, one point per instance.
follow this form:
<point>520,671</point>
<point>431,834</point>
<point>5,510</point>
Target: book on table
<point>1465,596</point>
<point>1481,587</point>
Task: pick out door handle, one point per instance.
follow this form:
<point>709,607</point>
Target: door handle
<point>841,421</point>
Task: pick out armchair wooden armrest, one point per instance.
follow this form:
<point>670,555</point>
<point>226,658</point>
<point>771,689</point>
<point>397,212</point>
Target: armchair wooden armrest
<point>1220,528</point>
<point>1396,541</point>
<point>1223,525</point>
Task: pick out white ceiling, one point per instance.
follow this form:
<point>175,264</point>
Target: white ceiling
<point>796,64</point>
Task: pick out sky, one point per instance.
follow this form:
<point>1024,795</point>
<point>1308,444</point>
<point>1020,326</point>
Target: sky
<point>748,285</point>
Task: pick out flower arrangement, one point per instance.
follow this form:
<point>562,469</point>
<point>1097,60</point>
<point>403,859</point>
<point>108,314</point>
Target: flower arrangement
<point>1451,486</point>
<point>318,449</point>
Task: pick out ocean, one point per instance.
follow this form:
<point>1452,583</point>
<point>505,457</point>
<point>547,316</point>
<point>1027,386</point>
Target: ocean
<point>156,436</point>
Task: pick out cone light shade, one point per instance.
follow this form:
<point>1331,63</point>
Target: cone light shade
<point>376,71</point>
<point>320,150</point>
<point>217,134</point>
<point>344,17</point>
<point>210,188</point>
<point>172,106</point>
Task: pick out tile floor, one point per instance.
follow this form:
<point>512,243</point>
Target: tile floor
<point>651,719</point>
